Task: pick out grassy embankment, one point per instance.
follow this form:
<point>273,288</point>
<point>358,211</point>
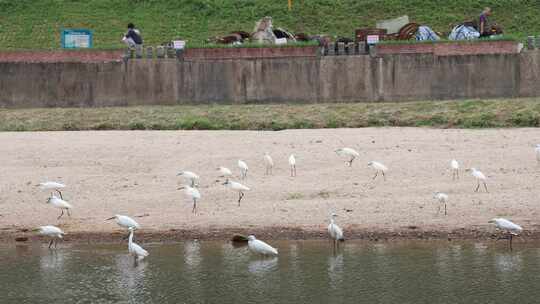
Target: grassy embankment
<point>439,114</point>
<point>29,24</point>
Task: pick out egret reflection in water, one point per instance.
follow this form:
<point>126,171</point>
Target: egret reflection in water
<point>263,265</point>
<point>335,270</point>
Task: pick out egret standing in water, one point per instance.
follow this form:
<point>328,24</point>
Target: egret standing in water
<point>53,186</point>
<point>454,166</point>
<point>292,164</point>
<point>53,232</point>
<point>336,234</point>
<point>243,169</point>
<point>59,203</point>
<point>235,186</point>
<point>378,167</point>
<point>442,198</point>
<point>480,177</point>
<point>268,164</point>
<point>349,153</point>
<point>193,194</point>
<point>190,177</point>
<point>507,226</point>
<point>125,221</point>
<point>260,247</point>
<point>225,172</point>
<point>134,249</point>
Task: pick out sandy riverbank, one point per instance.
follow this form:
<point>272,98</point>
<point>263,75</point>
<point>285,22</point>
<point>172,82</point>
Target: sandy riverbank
<point>134,173</point>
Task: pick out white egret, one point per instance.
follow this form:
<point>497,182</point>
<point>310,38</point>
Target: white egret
<point>237,187</point>
<point>134,249</point>
<point>243,168</point>
<point>193,194</point>
<point>479,177</point>
<point>292,164</point>
<point>190,177</point>
<point>60,204</point>
<point>268,163</point>
<point>53,186</point>
<point>336,234</point>
<point>225,172</point>
<point>125,221</point>
<point>51,231</point>
<point>537,150</point>
<point>454,166</point>
<point>260,247</point>
<point>507,226</point>
<point>442,198</point>
<point>378,167</point>
<point>348,152</point>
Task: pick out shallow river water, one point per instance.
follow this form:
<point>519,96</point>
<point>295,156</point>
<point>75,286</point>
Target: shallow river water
<point>305,272</point>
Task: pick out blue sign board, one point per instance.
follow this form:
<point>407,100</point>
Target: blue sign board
<point>76,38</point>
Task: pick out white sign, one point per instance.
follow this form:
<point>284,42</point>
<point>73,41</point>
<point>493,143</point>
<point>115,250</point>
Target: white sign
<point>372,39</point>
<point>179,44</point>
<point>76,38</point>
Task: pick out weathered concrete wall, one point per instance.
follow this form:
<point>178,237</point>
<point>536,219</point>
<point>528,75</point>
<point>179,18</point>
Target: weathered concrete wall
<point>306,79</point>
<point>410,77</point>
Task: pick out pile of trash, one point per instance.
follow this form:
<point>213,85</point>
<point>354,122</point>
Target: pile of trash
<point>393,29</point>
<point>265,33</point>
<point>401,29</point>
<point>467,31</point>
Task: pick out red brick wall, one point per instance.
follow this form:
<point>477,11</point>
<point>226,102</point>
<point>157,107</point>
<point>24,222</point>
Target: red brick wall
<point>189,54</point>
<point>491,47</point>
<point>413,48</point>
<point>61,56</point>
<point>239,53</point>
<point>450,48</point>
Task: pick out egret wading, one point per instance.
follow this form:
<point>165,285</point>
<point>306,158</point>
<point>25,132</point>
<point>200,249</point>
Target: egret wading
<point>334,231</point>
<point>537,152</point>
<point>134,249</point>
<point>378,167</point>
<point>235,186</point>
<point>350,153</point>
<point>260,247</point>
<point>190,177</point>
<point>508,227</point>
<point>53,232</point>
<point>193,194</point>
<point>268,163</point>
<point>52,186</point>
<point>442,199</point>
<point>59,203</point>
<point>480,177</point>
<point>292,164</point>
<point>243,169</point>
<point>454,166</point>
<point>125,221</point>
<point>225,172</point>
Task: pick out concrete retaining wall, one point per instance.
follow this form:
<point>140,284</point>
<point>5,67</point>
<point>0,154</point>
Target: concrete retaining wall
<point>303,79</point>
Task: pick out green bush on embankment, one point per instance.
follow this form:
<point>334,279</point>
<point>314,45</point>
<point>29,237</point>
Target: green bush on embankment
<point>504,113</point>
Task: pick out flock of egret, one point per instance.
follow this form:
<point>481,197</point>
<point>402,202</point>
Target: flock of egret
<point>335,233</point>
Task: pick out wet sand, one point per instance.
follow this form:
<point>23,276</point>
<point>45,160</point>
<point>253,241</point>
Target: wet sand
<point>134,173</point>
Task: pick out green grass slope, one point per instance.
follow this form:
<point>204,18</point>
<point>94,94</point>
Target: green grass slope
<point>36,24</point>
<point>501,113</point>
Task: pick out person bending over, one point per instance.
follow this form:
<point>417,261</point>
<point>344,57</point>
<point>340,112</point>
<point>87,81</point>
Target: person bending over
<point>133,36</point>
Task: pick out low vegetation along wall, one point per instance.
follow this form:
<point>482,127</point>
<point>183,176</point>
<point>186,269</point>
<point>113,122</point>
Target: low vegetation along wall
<point>300,79</point>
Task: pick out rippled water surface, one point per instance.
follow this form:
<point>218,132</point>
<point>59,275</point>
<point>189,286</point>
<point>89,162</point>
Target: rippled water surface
<point>305,272</point>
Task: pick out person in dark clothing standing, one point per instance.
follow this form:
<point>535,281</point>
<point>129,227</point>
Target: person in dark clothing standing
<point>133,36</point>
<point>483,22</point>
